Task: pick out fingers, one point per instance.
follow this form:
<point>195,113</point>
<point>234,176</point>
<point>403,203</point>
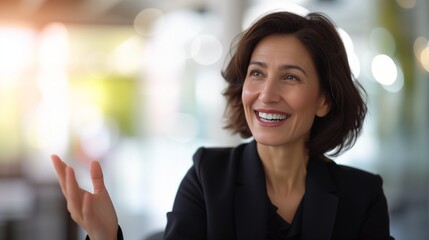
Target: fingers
<point>97,176</point>
<point>60,169</point>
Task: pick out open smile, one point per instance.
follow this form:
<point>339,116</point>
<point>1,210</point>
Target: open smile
<point>271,117</point>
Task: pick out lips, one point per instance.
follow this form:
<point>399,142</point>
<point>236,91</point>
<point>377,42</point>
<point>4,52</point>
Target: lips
<point>270,117</point>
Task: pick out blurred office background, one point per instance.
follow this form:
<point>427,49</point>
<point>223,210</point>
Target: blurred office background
<point>136,84</point>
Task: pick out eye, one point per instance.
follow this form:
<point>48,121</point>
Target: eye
<point>291,77</point>
<point>255,73</point>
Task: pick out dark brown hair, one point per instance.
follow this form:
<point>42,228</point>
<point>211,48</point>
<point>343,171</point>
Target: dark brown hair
<point>339,129</point>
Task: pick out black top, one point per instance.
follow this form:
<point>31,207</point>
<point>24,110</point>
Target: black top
<point>278,228</point>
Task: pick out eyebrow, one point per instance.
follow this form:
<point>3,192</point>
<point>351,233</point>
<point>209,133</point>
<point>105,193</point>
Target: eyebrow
<point>285,66</point>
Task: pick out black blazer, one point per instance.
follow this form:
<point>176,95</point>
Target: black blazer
<point>223,197</point>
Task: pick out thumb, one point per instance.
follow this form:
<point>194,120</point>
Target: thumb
<point>97,177</point>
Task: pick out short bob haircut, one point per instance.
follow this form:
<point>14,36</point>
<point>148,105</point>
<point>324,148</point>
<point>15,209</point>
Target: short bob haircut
<point>338,130</point>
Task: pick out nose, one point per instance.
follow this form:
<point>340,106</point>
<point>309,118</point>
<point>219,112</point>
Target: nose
<point>270,91</point>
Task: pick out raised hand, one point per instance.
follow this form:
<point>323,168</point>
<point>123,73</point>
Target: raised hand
<point>94,212</point>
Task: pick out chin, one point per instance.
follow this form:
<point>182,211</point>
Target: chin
<point>269,140</point>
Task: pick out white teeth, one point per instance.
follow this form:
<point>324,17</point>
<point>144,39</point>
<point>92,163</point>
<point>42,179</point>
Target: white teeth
<point>271,116</point>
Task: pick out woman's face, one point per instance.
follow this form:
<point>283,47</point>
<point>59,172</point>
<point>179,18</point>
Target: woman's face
<point>281,94</point>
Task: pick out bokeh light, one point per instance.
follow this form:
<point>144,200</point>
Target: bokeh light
<point>149,22</point>
<point>384,69</point>
<point>398,84</point>
<point>351,55</point>
<point>419,45</point>
<point>206,49</point>
<point>424,58</point>
<point>15,52</point>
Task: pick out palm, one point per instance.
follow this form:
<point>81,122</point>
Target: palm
<point>94,212</point>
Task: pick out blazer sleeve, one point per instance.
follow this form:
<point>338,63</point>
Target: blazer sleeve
<point>376,220</point>
<point>187,220</point>
<point>119,236</point>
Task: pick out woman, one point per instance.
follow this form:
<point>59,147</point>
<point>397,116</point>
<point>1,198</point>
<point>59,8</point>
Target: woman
<point>290,88</point>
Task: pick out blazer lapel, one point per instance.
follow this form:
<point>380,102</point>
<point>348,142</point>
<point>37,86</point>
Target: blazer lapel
<point>320,202</point>
<point>250,196</point>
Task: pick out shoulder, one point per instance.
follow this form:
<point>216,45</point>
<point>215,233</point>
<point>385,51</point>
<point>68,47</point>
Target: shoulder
<point>347,174</point>
<point>214,159</point>
<point>354,182</point>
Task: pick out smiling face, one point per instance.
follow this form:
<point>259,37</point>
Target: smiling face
<point>281,94</point>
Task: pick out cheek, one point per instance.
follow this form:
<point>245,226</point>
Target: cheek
<point>248,94</point>
<point>302,100</point>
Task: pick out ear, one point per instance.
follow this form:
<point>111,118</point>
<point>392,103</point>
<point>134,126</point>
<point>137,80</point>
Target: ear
<point>324,106</point>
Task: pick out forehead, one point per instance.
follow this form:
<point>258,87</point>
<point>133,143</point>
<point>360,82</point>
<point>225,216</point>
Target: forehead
<point>284,48</point>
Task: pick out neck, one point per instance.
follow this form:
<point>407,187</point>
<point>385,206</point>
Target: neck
<point>285,169</point>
